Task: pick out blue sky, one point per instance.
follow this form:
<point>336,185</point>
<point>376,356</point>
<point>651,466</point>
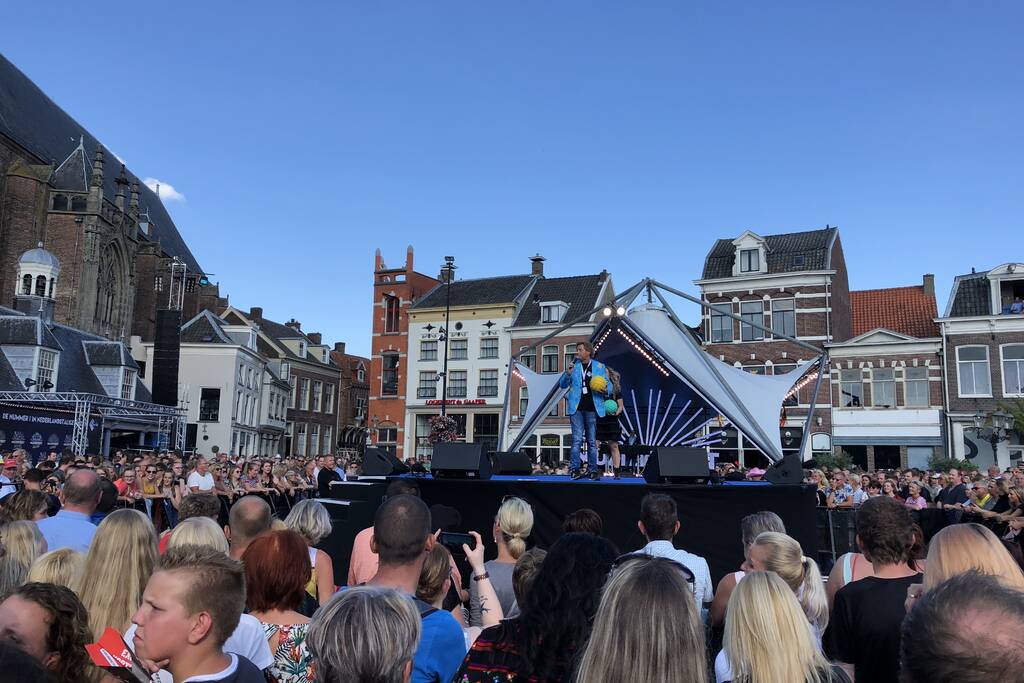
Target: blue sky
<point>625,136</point>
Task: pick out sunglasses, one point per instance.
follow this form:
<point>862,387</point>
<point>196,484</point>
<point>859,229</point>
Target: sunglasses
<point>150,471</point>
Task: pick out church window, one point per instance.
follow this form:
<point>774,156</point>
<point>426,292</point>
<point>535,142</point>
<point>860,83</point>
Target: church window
<point>26,285</point>
<point>40,285</point>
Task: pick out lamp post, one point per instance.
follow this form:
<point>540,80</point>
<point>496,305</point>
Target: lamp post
<point>1001,425</point>
<point>449,273</point>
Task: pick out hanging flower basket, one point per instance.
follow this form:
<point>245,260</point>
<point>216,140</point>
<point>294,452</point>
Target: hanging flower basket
<point>442,429</point>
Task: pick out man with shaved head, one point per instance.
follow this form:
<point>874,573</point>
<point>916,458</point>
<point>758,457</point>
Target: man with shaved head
<point>249,517</point>
<point>71,527</point>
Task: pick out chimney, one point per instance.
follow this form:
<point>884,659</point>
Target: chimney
<point>315,338</point>
<point>256,313</point>
<point>294,325</point>
<point>929,284</point>
<point>339,347</point>
<point>537,265</point>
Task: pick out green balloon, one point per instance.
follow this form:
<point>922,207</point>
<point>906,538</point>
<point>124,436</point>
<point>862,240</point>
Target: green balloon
<point>610,406</point>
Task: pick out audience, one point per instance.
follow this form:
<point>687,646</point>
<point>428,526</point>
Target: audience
<point>26,505</point>
<point>51,625</point>
<point>659,523</point>
<point>512,526</point>
<point>584,521</point>
<point>311,520</point>
<point>365,635</point>
<point>966,547</point>
<point>17,665</point>
<point>60,567</point>
<point>201,531</point>
<point>250,516</point>
<point>782,555</point>
<point>525,572</point>
<point>71,527</point>
<point>436,581</point>
<point>750,527</point>
<point>22,542</point>
<point>363,563</point>
<point>647,627</point>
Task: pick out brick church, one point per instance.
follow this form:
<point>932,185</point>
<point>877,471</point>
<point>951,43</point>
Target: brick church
<point>63,190</point>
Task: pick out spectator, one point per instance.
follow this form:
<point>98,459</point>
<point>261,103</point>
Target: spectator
<point>363,564</point>
<point>401,539</point>
<point>276,571</point>
<point>325,476</point>
<point>583,521</point>
<point>192,604</point>
<point>954,494</point>
<point>864,629</point>
<point>10,470</point>
<point>766,637</point>
<point>659,523</point>
<point>51,625</point>
<point>201,531</point>
<point>23,667</point>
<point>200,480</point>
<point>22,542</point>
<point>751,527</point>
<point>365,635</point>
<point>436,580</point>
<point>512,526</point>
<point>1017,307</point>
<point>128,490</point>
<point>557,613</point>
<point>249,517</point>
<point>781,554</point>
<point>915,501</point>
<point>949,634</point>
<point>311,520</point>
<point>71,527</point>
<point>647,627</point>
<point>108,502</point>
<point>966,547</point>
<point>60,567</point>
<point>26,505</point>
<point>841,493</point>
<point>525,572</point>
<point>12,574</point>
<point>822,488</point>
<point>117,567</point>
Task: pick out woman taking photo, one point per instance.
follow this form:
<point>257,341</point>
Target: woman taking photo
<point>512,526</point>
<point>608,430</point>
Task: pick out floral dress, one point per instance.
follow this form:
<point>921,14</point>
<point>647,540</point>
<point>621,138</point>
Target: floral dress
<point>293,662</point>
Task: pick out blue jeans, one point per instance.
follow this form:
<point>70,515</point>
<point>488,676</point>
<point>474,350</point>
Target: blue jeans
<point>580,420</point>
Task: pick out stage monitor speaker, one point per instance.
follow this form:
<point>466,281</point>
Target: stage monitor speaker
<point>677,465</point>
<point>511,463</point>
<point>378,462</point>
<point>789,470</point>
<point>460,461</point>
<point>166,354</point>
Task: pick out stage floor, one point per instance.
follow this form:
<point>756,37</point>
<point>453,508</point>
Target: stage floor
<point>709,515</point>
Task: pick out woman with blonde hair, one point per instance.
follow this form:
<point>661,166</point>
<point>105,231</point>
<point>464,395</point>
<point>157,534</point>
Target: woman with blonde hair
<point>61,567</point>
<point>26,505</point>
<point>311,520</point>
<point>201,531</point>
<point>767,638</point>
<point>781,554</point>
<point>647,627</point>
<point>120,560</point>
<point>819,479</point>
<point>751,527</point>
<point>22,542</point>
<point>962,547</point>
<point>512,526</point>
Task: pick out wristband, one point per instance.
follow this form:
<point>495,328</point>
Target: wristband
<point>481,577</point>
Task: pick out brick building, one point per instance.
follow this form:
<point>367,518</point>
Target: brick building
<point>394,292</point>
<point>61,188</point>
<point>983,347</point>
<point>887,398</point>
<point>353,397</point>
<point>793,283</point>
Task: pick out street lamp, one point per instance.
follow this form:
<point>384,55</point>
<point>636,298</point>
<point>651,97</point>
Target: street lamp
<point>449,273</point>
<point>1001,426</point>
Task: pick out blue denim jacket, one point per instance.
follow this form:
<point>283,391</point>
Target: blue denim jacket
<point>575,385</point>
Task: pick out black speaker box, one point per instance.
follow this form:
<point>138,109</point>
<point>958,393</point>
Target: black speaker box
<point>460,461</point>
<point>511,463</point>
<point>378,462</point>
<point>789,470</point>
<point>677,465</point>
<point>166,354</point>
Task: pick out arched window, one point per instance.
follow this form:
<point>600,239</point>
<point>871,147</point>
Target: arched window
<point>60,202</point>
<point>78,203</point>
<point>108,289</point>
<point>40,285</point>
<point>391,306</point>
<point>53,285</point>
<point>26,285</point>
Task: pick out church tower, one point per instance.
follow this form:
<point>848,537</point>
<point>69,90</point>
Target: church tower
<point>37,283</point>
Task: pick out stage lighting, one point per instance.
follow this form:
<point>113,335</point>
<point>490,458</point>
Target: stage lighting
<point>607,311</point>
<point>620,311</point>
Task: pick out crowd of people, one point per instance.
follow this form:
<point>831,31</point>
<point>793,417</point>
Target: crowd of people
<point>215,582</point>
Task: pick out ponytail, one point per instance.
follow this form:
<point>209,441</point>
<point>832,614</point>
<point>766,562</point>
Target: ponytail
<point>812,594</point>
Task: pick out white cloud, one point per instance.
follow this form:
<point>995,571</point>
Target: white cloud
<point>166,190</point>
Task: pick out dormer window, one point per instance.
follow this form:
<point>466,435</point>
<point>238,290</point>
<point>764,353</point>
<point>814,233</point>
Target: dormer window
<point>749,255</point>
<point>302,349</point>
<point>552,311</point>
<point>46,372</point>
<point>128,384</point>
<point>750,261</point>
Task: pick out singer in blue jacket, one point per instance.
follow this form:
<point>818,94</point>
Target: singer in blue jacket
<point>584,407</point>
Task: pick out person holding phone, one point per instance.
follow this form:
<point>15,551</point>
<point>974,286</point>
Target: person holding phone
<point>585,406</point>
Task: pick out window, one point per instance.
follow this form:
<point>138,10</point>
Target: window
<point>915,387</point>
<point>158,283</point>
<point>428,349</point>
<point>300,438</point>
<point>60,202</point>
<point>46,371</point>
<point>209,405</point>
<point>1013,369</point>
<point>40,285</point>
<point>328,398</point>
<point>286,371</point>
<point>488,385</point>
<point>751,312</point>
<point>883,388</point>
<point>361,374</point>
<point>190,285</point>
<point>485,430</point>
<point>314,439</point>
<point>781,369</point>
<point>457,384</point>
<point>391,306</point>
<point>389,378</point>
<point>784,317</point>
<point>294,394</point>
<point>549,359</point>
<point>360,406</point>
<point>972,371</point>
<point>851,389</point>
<point>328,446</point>
<point>528,356</point>
<point>524,400</point>
<point>755,369</point>
<point>387,435</point>
<point>428,385</point>
<point>568,355</point>
<point>128,384</point>
<point>459,349</point>
<point>750,261</point>
<point>26,285</point>
<point>721,324</point>
<point>318,389</point>
<point>489,347</point>
<point>303,394</point>
<point>552,313</point>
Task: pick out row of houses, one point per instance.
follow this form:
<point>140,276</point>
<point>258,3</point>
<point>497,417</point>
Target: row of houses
<point>904,384</point>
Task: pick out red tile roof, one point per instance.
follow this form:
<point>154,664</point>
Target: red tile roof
<point>907,310</point>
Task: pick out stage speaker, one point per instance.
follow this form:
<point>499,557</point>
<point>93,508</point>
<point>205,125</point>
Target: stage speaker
<point>789,470</point>
<point>511,463</point>
<point>378,462</point>
<point>166,354</point>
<point>460,461</point>
<point>677,465</point>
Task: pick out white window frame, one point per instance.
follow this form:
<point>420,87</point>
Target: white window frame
<point>1020,370</point>
<point>524,400</point>
<point>127,384</point>
<point>908,381</point>
<point>304,394</point>
<point>859,380</point>
<point>790,310</point>
<point>757,334</point>
<point>427,382</point>
<point>568,354</point>
<point>552,311</point>
<point>463,383</point>
<point>426,353</point>
<point>717,311</point>
<point>328,446</point>
<point>328,398</point>
<point>489,382</point>
<point>463,345</point>
<point>316,398</point>
<point>314,438</point>
<point>544,354</point>
<point>757,260</point>
<point>300,438</point>
<point>876,382</point>
<point>488,341</point>
<point>47,371</point>
<point>959,380</point>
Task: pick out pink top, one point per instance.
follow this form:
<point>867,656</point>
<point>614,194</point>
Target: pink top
<point>918,503</point>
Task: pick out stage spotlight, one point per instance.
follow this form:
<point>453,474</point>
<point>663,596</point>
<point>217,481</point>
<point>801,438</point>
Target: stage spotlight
<point>620,311</point>
<point>607,311</point>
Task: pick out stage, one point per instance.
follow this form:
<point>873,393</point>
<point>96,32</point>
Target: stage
<point>709,515</point>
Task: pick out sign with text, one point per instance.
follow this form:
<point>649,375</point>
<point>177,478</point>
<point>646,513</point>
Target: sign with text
<point>40,431</point>
<point>457,402</point>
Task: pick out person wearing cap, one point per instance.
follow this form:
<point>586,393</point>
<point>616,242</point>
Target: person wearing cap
<point>755,474</point>
<point>7,485</point>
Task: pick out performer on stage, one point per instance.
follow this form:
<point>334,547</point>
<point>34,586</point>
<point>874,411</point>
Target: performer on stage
<point>587,381</point>
<point>608,429</point>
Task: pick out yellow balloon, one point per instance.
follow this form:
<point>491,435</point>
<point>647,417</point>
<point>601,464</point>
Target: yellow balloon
<point>598,383</point>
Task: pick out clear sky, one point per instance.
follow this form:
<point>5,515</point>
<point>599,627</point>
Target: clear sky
<point>618,135</point>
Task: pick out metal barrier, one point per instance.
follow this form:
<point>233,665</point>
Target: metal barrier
<point>837,534</point>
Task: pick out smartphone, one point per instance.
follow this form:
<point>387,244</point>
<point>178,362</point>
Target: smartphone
<point>455,541</point>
